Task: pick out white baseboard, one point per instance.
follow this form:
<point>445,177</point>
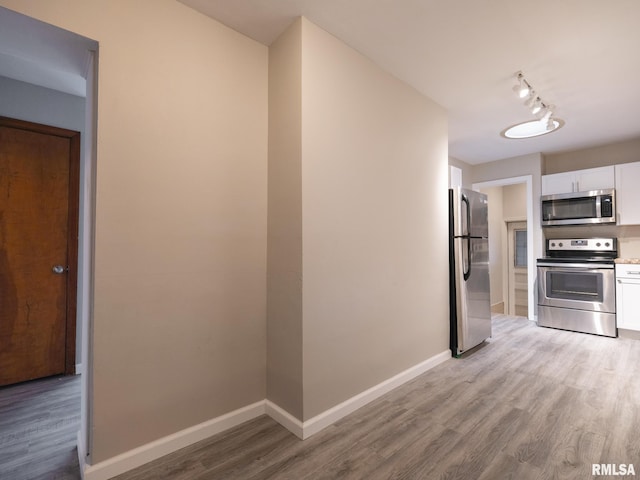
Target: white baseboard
<point>163,446</point>
<point>78,369</point>
<point>285,419</point>
<point>328,417</point>
<point>151,451</point>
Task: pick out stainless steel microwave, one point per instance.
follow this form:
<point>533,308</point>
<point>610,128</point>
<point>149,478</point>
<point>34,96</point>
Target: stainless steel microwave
<point>579,208</point>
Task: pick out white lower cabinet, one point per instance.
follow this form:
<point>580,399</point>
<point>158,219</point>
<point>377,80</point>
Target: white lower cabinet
<point>628,296</point>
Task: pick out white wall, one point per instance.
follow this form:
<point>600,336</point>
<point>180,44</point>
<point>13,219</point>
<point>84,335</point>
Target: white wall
<point>375,254</point>
<point>496,234</point>
<point>180,221</point>
<point>514,202</point>
<point>467,171</point>
<point>600,156</point>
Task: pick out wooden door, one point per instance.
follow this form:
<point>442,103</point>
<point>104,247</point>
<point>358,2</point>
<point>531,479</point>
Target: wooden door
<point>39,179</point>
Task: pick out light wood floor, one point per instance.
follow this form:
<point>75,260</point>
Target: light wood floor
<point>39,423</point>
<point>533,403</point>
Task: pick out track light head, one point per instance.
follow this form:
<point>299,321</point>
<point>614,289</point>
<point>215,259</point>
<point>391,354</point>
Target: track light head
<point>551,124</point>
<point>522,88</point>
<point>547,114</point>
<point>537,106</point>
<point>530,102</point>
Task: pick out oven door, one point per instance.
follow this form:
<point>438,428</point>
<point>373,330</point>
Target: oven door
<point>577,286</point>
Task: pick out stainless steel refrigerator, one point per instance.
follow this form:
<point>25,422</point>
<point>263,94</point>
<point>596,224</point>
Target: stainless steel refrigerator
<point>469,301</point>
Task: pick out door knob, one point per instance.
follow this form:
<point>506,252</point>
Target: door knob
<point>58,269</point>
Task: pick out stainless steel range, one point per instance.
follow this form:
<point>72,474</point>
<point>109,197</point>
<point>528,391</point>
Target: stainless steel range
<point>576,285</point>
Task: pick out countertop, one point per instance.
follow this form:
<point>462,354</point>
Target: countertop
<point>634,261</point>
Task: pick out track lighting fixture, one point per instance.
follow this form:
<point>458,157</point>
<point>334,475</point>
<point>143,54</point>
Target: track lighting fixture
<point>538,107</point>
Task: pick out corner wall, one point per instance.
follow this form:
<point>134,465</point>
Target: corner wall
<point>284,246</point>
<point>361,313</point>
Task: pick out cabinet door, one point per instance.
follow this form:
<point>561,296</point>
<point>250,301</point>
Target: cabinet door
<point>628,303</point>
<point>558,183</point>
<point>595,179</point>
<point>628,193</point>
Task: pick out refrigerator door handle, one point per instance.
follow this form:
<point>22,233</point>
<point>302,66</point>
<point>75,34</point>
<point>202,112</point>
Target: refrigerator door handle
<point>466,231</point>
<point>466,266</point>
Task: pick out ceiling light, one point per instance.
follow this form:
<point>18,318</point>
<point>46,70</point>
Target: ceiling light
<point>546,123</point>
<point>532,128</point>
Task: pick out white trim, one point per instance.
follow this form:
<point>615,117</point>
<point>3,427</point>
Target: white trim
<point>163,446</point>
<point>151,451</point>
<point>328,417</point>
<point>82,455</point>
<point>285,419</point>
<point>78,369</point>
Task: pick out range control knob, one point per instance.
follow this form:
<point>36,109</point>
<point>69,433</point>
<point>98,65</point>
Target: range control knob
<point>560,244</point>
<point>598,244</point>
<point>553,244</point>
<point>607,244</point>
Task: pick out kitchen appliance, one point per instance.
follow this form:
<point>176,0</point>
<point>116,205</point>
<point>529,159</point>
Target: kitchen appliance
<point>579,208</point>
<point>576,285</point>
<point>469,302</point>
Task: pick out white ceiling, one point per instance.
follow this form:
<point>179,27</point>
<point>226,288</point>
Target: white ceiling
<point>580,55</point>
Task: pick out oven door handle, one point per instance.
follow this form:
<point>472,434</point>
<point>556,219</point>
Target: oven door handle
<point>574,266</point>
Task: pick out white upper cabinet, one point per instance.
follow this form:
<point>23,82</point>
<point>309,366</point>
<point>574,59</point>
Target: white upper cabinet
<point>595,179</point>
<point>600,178</point>
<point>558,183</point>
<point>628,193</point>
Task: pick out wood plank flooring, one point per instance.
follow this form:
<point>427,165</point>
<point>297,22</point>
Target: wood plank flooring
<point>532,403</point>
<point>39,423</point>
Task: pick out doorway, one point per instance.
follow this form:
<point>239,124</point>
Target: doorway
<point>50,75</point>
<point>517,264</point>
<point>527,182</point>
<point>39,182</point>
